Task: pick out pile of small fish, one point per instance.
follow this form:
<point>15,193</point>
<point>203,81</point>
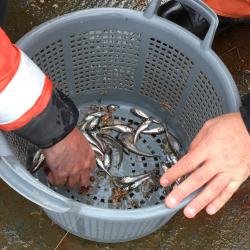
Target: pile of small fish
<point>99,128</point>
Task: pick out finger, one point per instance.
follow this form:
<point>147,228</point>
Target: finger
<point>196,180</point>
<point>208,194</point>
<point>184,166</point>
<point>85,178</point>
<point>74,180</point>
<point>224,196</point>
<point>55,180</point>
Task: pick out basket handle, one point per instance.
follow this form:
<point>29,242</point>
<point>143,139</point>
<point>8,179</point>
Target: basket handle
<point>198,6</point>
<point>26,185</point>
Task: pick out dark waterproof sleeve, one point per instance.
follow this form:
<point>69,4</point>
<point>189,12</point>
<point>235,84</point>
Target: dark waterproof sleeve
<point>57,120</point>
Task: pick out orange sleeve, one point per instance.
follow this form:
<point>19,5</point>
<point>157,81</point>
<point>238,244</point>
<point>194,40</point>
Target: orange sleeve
<point>25,90</point>
<point>230,8</point>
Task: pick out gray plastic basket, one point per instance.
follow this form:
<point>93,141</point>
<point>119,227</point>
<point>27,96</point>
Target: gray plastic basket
<point>140,60</point>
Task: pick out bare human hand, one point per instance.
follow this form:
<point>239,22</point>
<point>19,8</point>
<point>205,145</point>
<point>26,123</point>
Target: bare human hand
<point>219,158</point>
<point>70,161</point>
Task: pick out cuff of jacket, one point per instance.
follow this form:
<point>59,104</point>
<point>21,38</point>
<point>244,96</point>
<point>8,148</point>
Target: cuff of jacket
<point>245,110</point>
<point>57,120</point>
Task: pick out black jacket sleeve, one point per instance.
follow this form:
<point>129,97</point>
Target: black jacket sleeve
<point>56,121</point>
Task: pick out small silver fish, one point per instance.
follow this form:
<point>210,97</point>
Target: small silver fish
<point>141,128</point>
<point>136,184</point>
<point>91,140</point>
<point>141,114</point>
<point>173,143</point>
<point>97,150</point>
<point>84,129</point>
<point>84,126</point>
<point>131,179</point>
<point>36,157</point>
<point>99,142</point>
<point>115,144</point>
<point>112,108</point>
<point>154,131</point>
<point>171,160</point>
<point>164,167</point>
<point>107,159</point>
<point>94,123</point>
<point>38,161</point>
<point>119,128</point>
<point>100,164</point>
<point>126,140</point>
<point>94,115</point>
<point>178,181</point>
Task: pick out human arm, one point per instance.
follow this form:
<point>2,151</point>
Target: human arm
<point>218,159</point>
<point>34,110</point>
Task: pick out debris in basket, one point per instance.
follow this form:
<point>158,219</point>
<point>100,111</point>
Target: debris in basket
<point>113,140</point>
<point>84,190</point>
<point>118,195</point>
<point>134,203</point>
<point>166,106</point>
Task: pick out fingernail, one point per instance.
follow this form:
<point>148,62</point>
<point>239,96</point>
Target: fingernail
<point>164,182</point>
<point>191,211</point>
<point>171,201</point>
<point>211,210</point>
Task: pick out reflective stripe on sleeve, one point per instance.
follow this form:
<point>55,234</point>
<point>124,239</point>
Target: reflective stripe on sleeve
<point>22,91</point>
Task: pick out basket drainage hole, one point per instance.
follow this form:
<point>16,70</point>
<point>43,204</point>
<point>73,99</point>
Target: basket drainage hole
<point>68,190</point>
<point>133,164</point>
<point>144,141</point>
<point>145,165</point>
<point>133,171</point>
<point>95,198</point>
<point>143,158</point>
<point>131,195</point>
<point>158,140</point>
<point>156,158</point>
<point>142,202</point>
<point>72,197</point>
<point>102,200</point>
<point>153,152</point>
<point>123,119</point>
<point>157,203</point>
<point>130,121</point>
